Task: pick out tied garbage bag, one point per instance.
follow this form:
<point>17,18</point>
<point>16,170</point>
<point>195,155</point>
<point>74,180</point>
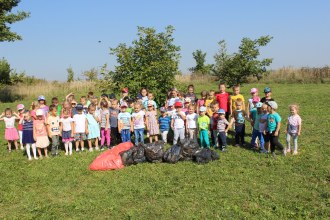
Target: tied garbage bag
<point>127,156</point>
<point>173,154</point>
<point>110,159</point>
<point>138,154</point>
<point>205,155</point>
<point>154,151</point>
<point>189,147</point>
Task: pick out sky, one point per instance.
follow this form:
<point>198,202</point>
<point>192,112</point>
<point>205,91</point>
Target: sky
<point>61,34</point>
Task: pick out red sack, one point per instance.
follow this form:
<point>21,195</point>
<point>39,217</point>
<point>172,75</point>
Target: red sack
<point>111,159</point>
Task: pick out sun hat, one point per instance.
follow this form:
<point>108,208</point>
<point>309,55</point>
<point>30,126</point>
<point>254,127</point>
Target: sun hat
<point>123,105</point>
<point>124,90</point>
<point>267,90</point>
<point>41,97</point>
<point>151,103</point>
<point>79,107</point>
<point>256,99</point>
<point>187,100</point>
<point>272,104</point>
<point>178,105</point>
<point>253,90</point>
<point>259,104</point>
<point>221,111</point>
<point>20,107</point>
<point>39,112</point>
<point>202,109</point>
<point>162,109</point>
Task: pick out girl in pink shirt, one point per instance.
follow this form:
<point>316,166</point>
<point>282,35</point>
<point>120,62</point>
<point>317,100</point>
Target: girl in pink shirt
<point>293,129</point>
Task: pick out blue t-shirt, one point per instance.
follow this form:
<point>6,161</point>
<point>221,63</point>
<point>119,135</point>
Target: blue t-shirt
<point>164,123</point>
<point>272,121</point>
<point>125,118</point>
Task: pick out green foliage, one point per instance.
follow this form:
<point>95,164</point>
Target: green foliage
<point>70,74</point>
<point>9,18</point>
<point>201,68</point>
<point>4,72</point>
<point>151,62</point>
<point>105,83</point>
<point>236,68</point>
<point>91,75</point>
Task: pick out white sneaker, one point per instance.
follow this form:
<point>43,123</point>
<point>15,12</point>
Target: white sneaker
<point>70,153</point>
<point>90,149</point>
<point>295,152</point>
<point>36,158</point>
<point>97,148</point>
<point>30,158</point>
<point>82,149</point>
<point>66,154</point>
<point>22,148</point>
<point>77,150</point>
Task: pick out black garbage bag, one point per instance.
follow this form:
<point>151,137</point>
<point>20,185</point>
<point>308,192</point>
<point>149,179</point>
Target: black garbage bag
<point>154,151</point>
<point>173,154</point>
<point>205,155</point>
<point>138,154</point>
<point>127,156</point>
<point>189,147</point>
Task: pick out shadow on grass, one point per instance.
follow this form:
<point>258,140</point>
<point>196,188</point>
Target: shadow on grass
<point>8,95</point>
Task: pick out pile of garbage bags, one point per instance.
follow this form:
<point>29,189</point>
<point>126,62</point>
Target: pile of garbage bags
<point>189,150</point>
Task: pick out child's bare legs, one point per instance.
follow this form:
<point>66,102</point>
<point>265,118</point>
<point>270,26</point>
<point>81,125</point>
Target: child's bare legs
<point>16,145</point>
<point>9,146</point>
<point>267,146</point>
<point>77,145</point>
<point>96,144</point>
<point>70,148</point>
<point>153,136</point>
<point>90,143</point>
<point>39,152</point>
<point>82,145</point>
<point>156,138</point>
<point>46,152</point>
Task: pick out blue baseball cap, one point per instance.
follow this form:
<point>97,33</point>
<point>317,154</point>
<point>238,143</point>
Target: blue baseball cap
<point>202,109</point>
<point>41,97</point>
<point>259,104</point>
<point>221,111</point>
<point>267,90</point>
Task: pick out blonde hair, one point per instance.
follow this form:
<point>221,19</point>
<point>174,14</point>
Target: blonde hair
<point>239,101</point>
<point>296,106</point>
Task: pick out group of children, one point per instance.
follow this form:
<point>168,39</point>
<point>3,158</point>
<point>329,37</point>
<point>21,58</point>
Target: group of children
<point>107,120</point>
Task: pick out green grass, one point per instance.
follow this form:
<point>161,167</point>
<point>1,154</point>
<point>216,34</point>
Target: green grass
<point>242,184</point>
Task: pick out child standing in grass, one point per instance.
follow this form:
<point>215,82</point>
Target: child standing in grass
<point>93,128</point>
<point>66,107</point>
<point>263,125</point>
<point>254,96</point>
<point>191,94</point>
<point>152,122</point>
<point>293,128</point>
<point>201,101</point>
<point>27,138</point>
<point>42,105</point>
<point>164,122</point>
<point>238,117</point>
<point>125,126</point>
<point>203,122</point>
<point>105,124</point>
<point>273,127</point>
<point>222,129</point>
<point>214,123</point>
<point>236,95</point>
<point>80,128</point>
<point>53,127</point>
<point>268,95</point>
<point>177,123</point>
<point>58,107</point>
<point>66,129</point>
<point>191,123</point>
<point>114,111</point>
<point>21,110</point>
<point>255,115</point>
<point>223,99</point>
<point>40,133</point>
<point>11,134</point>
<point>138,118</point>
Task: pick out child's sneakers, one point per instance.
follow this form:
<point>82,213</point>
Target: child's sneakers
<point>36,158</point>
<point>77,150</point>
<point>97,148</point>
<point>82,149</point>
<point>284,152</point>
<point>102,147</point>
<point>90,149</point>
<point>295,152</point>
<point>66,154</point>
<point>30,158</point>
<point>288,150</point>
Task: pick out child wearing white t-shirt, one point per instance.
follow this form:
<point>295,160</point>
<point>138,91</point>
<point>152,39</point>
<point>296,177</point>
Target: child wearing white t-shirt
<point>191,123</point>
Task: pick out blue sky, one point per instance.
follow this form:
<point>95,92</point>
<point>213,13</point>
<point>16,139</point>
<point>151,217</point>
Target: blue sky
<point>60,33</point>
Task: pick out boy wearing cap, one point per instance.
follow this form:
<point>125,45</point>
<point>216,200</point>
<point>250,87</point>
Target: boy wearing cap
<point>125,125</point>
<point>222,129</point>
<point>164,122</point>
<point>255,115</point>
<point>273,127</point>
<point>177,123</point>
<point>268,95</point>
<point>80,127</point>
<point>20,109</point>
<point>53,128</point>
<point>203,123</point>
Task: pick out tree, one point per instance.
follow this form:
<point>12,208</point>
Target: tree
<point>91,75</point>
<point>201,67</point>
<point>70,74</point>
<point>151,62</point>
<point>237,67</point>
<point>9,18</point>
<point>4,72</point>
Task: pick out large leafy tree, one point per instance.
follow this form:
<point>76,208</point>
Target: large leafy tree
<point>201,68</point>
<point>4,71</point>
<point>151,62</point>
<point>237,67</point>
<point>7,18</point>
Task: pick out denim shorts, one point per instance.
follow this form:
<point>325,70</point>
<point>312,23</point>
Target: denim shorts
<point>79,136</point>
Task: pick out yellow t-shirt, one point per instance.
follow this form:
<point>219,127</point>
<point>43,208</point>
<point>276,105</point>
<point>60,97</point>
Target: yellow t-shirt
<point>208,107</point>
<point>233,99</point>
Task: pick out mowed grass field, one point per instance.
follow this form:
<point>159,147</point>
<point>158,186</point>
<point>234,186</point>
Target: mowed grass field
<point>241,185</point>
